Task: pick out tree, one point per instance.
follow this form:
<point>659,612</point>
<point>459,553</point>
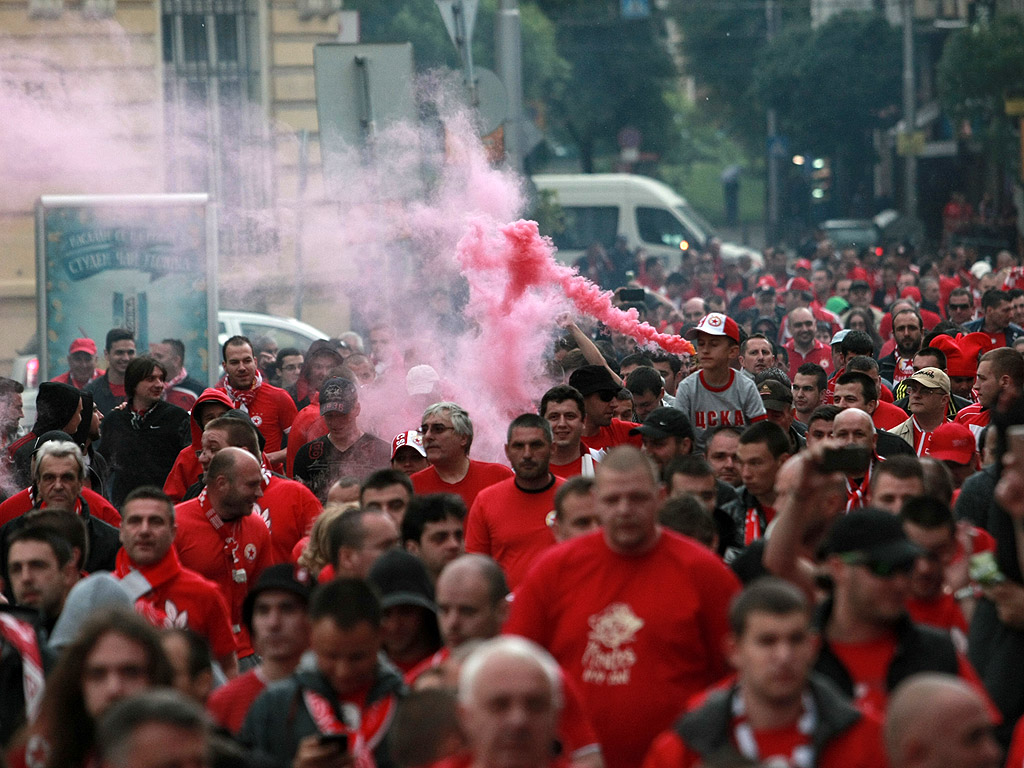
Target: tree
<point>980,66</point>
<point>418,21</point>
<point>621,71</point>
<point>832,87</point>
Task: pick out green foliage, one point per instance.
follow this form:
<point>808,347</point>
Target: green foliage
<point>833,85</point>
<point>418,21</point>
<point>979,66</point>
<point>722,40</point>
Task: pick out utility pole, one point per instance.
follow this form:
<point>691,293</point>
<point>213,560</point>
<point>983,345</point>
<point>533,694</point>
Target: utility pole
<point>772,212</point>
<point>509,65</point>
<point>909,112</point>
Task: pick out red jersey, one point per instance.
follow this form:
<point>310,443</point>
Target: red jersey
<point>638,634</point>
<point>240,546</point>
<point>289,509</point>
<point>169,595</point>
<point>308,426</point>
<point>272,412</point>
<point>616,433</point>
<point>821,354</point>
<point>230,703</point>
<point>511,526</point>
<point>24,501</point>
<point>1015,755</point>
<point>185,473</point>
<point>975,418</point>
<point>887,415</point>
<point>480,475</point>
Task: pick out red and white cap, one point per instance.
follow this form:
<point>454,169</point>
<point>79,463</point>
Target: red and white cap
<point>716,324</point>
<point>412,438</point>
<point>952,442</point>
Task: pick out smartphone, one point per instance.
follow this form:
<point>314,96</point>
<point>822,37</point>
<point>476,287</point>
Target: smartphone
<point>852,460</point>
<point>984,570</point>
<point>341,739</point>
<point>632,295</point>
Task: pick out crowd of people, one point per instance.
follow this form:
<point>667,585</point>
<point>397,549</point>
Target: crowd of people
<point>800,543</point>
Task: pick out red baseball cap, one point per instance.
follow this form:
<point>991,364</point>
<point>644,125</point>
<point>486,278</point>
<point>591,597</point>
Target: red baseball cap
<point>799,284</point>
<point>803,264</point>
<point>716,324</point>
<point>82,345</point>
<point>952,442</point>
<point>412,439</point>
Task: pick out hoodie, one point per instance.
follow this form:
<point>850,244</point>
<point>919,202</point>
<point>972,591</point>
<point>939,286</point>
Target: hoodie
<point>186,469</point>
<point>56,404</point>
<point>300,391</point>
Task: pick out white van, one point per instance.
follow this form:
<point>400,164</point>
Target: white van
<point>600,206</point>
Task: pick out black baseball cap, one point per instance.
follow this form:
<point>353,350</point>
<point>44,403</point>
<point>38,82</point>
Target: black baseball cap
<point>589,379</point>
<point>337,395</point>
<point>775,395</point>
<point>665,422</point>
<point>874,535</point>
<point>283,577</point>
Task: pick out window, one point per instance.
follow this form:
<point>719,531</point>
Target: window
<point>217,135</point>
<point>585,225</point>
<point>659,226</point>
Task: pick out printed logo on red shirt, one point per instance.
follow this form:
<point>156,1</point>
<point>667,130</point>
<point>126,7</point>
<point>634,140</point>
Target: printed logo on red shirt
<point>250,551</point>
<point>605,660</point>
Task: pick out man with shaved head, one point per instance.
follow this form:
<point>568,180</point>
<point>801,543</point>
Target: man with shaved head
<point>853,426</point>
<point>220,538</point>
<point>939,721</point>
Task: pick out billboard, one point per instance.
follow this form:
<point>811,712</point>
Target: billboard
<point>147,263</point>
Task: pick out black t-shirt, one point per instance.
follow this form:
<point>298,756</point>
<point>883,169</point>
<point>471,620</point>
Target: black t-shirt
<point>319,463</point>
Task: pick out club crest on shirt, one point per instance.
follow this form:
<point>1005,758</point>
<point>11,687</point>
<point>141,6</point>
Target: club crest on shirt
<point>250,552</point>
<point>257,420</point>
<point>607,659</point>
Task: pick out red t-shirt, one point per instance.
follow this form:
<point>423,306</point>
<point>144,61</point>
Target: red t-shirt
<point>201,549</point>
<point>638,634</point>
<point>868,665</point>
<point>308,426</point>
<point>511,526</point>
<point>289,509</point>
<point>480,475</point>
<point>182,598</point>
<point>565,471</point>
<point>99,507</point>
<point>616,433</point>
<point>887,416</point>
<point>230,703</point>
<point>942,612</point>
<point>272,411</point>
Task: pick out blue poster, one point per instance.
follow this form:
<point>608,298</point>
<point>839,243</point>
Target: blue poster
<point>143,262</point>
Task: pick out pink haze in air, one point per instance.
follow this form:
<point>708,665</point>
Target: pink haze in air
<point>424,237</point>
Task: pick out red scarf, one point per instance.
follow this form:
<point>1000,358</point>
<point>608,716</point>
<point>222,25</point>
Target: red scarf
<point>141,580</point>
<point>857,493</point>
<point>243,398</point>
<point>226,531</point>
<point>365,735</point>
<point>752,530</point>
<point>922,440</point>
<point>22,637</point>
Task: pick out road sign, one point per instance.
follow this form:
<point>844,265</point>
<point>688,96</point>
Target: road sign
<point>459,30</point>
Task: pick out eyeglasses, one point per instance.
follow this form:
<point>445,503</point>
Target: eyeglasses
<point>291,367</point>
<point>882,570</point>
<point>959,306</point>
<point>434,429</point>
<point>606,395</point>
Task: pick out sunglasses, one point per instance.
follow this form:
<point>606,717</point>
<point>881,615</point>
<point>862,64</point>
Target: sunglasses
<point>959,306</point>
<point>882,570</point>
<point>606,395</point>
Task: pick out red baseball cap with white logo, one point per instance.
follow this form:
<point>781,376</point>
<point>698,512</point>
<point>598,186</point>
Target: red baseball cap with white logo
<point>716,324</point>
<point>952,442</point>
